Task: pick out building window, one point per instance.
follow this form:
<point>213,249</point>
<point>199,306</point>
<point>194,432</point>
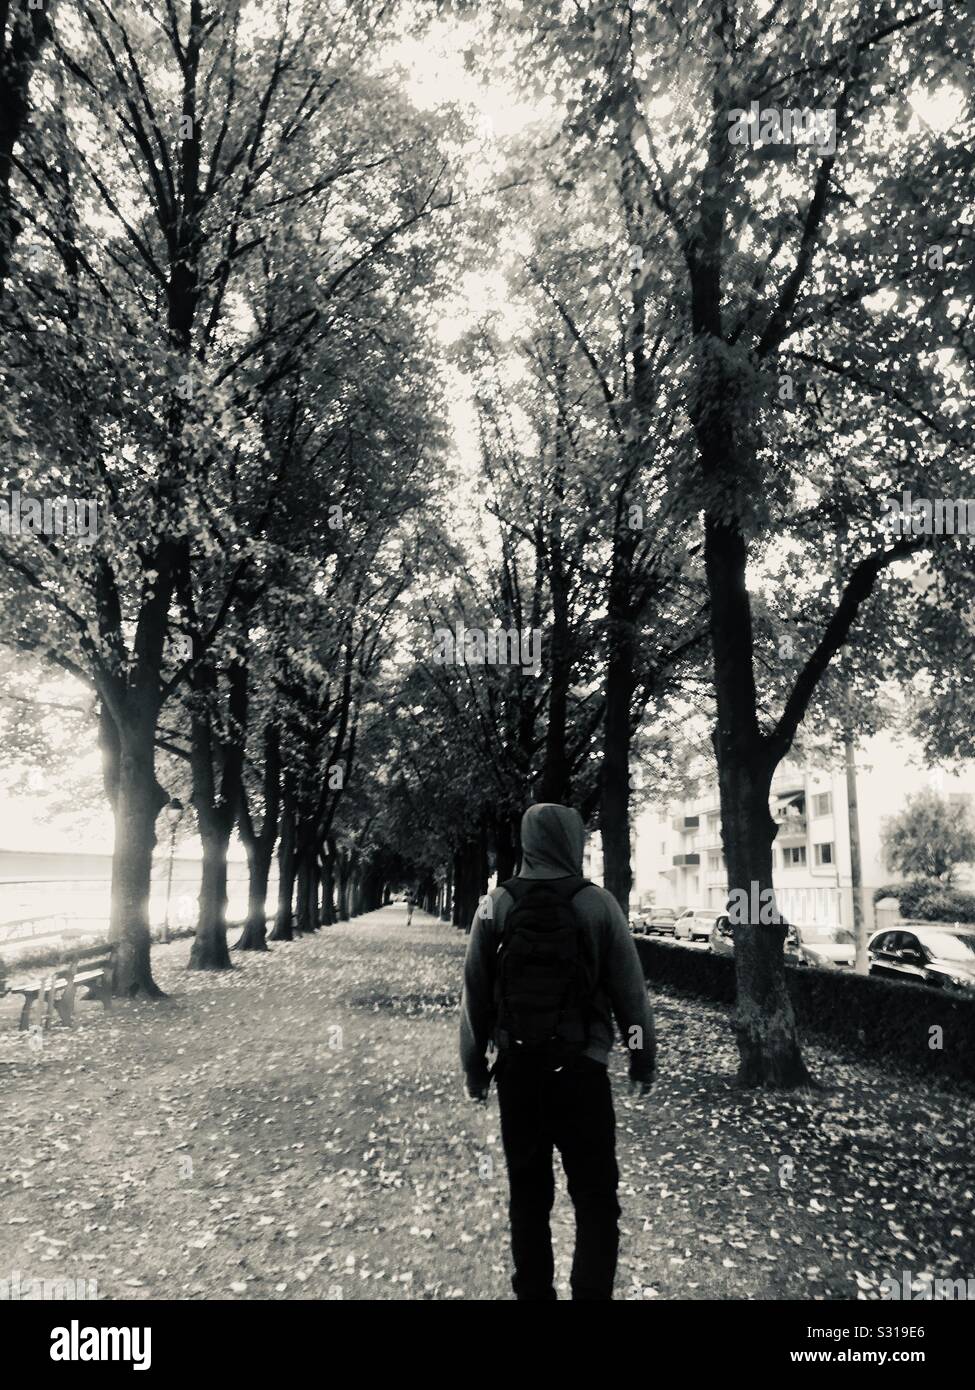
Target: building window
<point>714,862</point>
<point>824,853</point>
<point>822,804</point>
<point>793,854</point>
<point>663,847</point>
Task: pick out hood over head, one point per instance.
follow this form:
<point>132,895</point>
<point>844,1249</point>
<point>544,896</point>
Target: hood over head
<point>552,840</point>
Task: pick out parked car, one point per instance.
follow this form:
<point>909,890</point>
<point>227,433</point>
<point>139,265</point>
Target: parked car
<point>943,957</point>
<point>722,941</point>
<point>662,919</point>
<point>696,923</point>
<point>827,946</point>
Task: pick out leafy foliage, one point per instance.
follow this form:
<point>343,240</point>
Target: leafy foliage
<point>930,837</point>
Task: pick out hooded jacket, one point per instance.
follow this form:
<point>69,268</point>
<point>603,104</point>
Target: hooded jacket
<point>552,842</point>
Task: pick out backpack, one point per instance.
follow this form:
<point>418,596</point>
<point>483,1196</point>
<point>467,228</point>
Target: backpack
<point>545,976</point>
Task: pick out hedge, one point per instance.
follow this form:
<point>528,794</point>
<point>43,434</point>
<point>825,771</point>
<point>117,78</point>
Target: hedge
<point>883,1020</point>
<point>930,900</point>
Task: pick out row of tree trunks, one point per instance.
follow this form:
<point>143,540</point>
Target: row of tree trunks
<point>371,891</point>
<point>429,894</point>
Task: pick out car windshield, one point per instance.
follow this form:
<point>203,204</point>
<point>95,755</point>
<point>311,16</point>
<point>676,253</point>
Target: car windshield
<point>948,945</point>
<point>826,935</point>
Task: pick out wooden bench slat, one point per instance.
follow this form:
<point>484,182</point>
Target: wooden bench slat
<point>59,987</point>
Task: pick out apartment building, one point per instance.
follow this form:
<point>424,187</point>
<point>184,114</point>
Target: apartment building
<point>678,860</point>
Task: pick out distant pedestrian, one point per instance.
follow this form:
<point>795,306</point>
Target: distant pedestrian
<point>409,907</point>
<point>548,968</point>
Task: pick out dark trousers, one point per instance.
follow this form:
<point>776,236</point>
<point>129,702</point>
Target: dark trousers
<point>570,1109</point>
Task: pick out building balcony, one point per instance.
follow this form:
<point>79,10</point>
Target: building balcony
<point>686,860</point>
<point>682,823</point>
<point>792,831</point>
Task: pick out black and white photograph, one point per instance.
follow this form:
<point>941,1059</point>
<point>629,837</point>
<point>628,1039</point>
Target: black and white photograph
<point>487,674</point>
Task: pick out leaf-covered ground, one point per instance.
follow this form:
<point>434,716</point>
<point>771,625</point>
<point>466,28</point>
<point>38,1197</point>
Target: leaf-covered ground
<point>296,1128</point>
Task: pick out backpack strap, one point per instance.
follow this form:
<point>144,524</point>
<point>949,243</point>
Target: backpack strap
<point>566,887</point>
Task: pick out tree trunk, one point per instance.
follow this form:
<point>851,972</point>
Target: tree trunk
<point>314,883</point>
<point>456,880</point>
<point>505,848</point>
<point>254,935</point>
<point>765,1023</point>
<point>301,883</point>
<point>554,782</point>
<point>284,920</point>
<point>614,813</point>
<point>307,874</point>
<point>139,799</point>
<point>260,847</point>
<point>768,1042</point>
<point>328,884</point>
<point>217,763</point>
<point>470,879</point>
<point>209,950</point>
<point>856,872</point>
<point>344,881</point>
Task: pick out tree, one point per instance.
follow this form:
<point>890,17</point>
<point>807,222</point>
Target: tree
<point>176,146</point>
<point>787,272</point>
<point>930,837</point>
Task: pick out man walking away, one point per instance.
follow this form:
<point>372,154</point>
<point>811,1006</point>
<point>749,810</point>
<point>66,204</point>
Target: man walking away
<point>409,906</point>
<point>550,963</point>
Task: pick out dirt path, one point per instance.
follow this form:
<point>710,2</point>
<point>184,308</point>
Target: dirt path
<point>297,1128</point>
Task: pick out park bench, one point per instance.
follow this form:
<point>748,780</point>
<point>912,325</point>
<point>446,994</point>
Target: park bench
<point>89,968</point>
